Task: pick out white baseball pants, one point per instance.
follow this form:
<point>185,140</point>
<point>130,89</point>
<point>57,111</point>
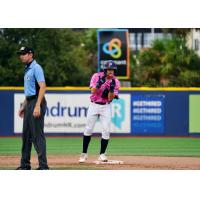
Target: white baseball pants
<point>103,112</point>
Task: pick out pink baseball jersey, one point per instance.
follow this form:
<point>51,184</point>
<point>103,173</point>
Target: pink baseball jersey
<point>97,97</point>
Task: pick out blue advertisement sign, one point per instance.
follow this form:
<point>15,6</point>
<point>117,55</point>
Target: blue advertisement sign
<point>147,114</point>
<point>139,112</point>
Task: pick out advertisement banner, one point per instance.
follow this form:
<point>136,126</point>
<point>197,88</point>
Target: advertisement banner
<point>113,45</point>
<point>66,113</point>
<point>194,113</point>
<point>148,114</point>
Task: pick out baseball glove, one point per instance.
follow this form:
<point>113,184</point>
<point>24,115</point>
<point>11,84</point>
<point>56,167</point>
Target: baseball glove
<point>112,85</point>
<point>105,94</point>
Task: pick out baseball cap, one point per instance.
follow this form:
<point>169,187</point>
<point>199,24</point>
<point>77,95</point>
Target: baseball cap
<point>25,50</point>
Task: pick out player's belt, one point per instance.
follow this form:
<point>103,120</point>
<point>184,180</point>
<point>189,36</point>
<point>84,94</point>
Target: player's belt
<point>100,103</point>
<point>28,98</point>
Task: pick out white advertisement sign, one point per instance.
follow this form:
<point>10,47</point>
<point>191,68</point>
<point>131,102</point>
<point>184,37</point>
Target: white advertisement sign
<point>66,113</point>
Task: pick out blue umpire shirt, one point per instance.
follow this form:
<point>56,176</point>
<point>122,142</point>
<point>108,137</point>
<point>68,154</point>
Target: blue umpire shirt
<point>32,75</point>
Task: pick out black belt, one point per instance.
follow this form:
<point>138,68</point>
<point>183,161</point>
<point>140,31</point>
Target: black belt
<point>100,103</point>
<point>28,98</point>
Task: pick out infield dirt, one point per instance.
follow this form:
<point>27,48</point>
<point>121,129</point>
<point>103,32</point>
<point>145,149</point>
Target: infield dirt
<point>63,162</point>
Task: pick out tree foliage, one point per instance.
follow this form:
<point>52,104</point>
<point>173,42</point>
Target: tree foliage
<point>66,55</point>
<point>69,58</point>
<point>168,63</point>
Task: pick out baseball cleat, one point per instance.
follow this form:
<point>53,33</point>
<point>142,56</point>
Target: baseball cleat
<point>103,158</point>
<point>83,158</point>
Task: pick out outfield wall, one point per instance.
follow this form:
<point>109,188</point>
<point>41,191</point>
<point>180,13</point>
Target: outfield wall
<point>139,111</point>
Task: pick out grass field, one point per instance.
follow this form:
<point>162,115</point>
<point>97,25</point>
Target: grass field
<point>118,146</point>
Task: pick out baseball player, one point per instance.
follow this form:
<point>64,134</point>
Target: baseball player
<point>104,88</point>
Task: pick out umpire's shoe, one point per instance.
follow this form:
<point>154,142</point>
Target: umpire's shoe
<point>43,168</point>
<point>24,168</point>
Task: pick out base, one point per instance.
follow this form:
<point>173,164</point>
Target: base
<point>109,162</point>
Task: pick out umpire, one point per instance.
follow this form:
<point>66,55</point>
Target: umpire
<point>33,111</point>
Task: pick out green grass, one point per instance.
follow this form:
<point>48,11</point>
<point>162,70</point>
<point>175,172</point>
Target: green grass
<point>117,146</point>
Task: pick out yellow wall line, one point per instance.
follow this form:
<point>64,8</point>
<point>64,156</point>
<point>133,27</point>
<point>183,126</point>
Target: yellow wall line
<point>123,88</point>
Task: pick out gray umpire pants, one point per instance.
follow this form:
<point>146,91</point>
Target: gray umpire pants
<point>33,132</point>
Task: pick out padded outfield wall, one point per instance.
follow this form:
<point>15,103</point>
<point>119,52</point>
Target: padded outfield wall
<point>138,112</point>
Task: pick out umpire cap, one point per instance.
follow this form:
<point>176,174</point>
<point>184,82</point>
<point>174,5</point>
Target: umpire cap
<point>25,50</point>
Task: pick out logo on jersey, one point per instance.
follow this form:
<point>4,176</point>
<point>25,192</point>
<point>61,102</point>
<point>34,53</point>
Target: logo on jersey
<point>118,112</point>
<point>28,78</point>
<point>113,48</point>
